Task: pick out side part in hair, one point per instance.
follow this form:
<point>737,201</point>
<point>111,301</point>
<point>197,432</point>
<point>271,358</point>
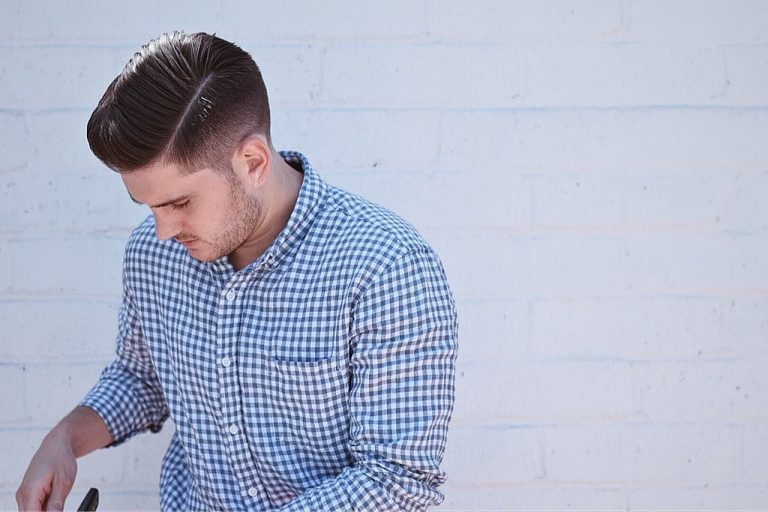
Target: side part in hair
<point>182,99</point>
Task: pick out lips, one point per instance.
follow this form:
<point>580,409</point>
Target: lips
<point>187,243</point>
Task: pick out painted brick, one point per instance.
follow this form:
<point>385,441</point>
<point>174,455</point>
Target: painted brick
<point>679,454</point>
<point>15,136</point>
<point>19,445</point>
<point>707,496</point>
<point>65,131</point>
<point>46,392</point>
<point>84,329</point>
<point>55,21</point>
<point>709,22</point>
<point>337,20</point>
<point>531,395</point>
<point>292,73</point>
<point>521,266</point>
<point>691,201</point>
<point>644,140</point>
<point>533,495</point>
<point>57,77</point>
<point>623,75</point>
<point>493,330</point>
<point>521,21</point>
<point>500,455</point>
<point>502,397</point>
<point>731,392</point>
<point>610,331</point>
<point>703,264</point>
<point>543,75</point>
<point>360,141</point>
<point>648,328</point>
<point>57,203</point>
<point>13,400</point>
<point>754,450</point>
<point>6,266</point>
<point>447,75</point>
<point>84,265</point>
<point>437,200</point>
<point>747,71</point>
<point>63,384</point>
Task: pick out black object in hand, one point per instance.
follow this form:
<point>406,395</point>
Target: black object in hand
<point>90,502</point>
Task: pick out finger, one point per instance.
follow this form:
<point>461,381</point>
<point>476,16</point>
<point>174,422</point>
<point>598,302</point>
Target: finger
<point>61,487</point>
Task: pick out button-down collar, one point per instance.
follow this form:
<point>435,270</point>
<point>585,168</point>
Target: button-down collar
<point>311,196</point>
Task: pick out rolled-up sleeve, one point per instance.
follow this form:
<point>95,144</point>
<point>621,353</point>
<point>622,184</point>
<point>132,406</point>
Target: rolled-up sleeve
<point>403,351</point>
<point>128,395</point>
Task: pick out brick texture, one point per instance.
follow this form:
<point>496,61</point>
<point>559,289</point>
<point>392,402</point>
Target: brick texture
<point>593,175</point>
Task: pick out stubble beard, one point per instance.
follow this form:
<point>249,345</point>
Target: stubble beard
<point>240,221</point>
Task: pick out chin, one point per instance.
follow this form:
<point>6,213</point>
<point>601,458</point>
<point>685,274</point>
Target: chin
<point>202,255</point>
<point>205,258</point>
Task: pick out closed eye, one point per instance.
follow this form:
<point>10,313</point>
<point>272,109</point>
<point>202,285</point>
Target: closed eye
<point>179,206</point>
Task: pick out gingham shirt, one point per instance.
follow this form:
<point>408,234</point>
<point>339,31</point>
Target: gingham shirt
<point>319,377</point>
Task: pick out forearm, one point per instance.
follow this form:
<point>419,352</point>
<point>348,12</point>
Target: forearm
<point>52,471</point>
<point>83,430</point>
<point>127,402</point>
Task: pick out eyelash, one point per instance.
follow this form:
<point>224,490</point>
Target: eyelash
<point>180,206</point>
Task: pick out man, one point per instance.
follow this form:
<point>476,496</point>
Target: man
<point>302,339</point>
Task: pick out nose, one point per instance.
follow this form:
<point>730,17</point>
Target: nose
<point>167,225</point>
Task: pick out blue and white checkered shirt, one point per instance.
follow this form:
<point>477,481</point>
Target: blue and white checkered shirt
<point>319,377</point>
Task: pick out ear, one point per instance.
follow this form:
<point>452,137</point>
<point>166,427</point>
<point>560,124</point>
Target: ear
<point>252,160</point>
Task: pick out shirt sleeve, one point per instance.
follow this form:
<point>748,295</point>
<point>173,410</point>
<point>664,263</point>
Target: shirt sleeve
<point>128,395</point>
<point>404,345</point>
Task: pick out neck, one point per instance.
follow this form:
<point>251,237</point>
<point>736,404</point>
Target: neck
<point>278,202</point>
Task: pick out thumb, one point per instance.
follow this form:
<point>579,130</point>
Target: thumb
<point>62,484</point>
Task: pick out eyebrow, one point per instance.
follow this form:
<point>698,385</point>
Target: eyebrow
<point>167,203</point>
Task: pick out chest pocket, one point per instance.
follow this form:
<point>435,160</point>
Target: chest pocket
<point>299,403</point>
<point>297,417</point>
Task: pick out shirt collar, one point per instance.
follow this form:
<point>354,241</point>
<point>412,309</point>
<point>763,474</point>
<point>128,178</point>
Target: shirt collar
<point>311,196</point>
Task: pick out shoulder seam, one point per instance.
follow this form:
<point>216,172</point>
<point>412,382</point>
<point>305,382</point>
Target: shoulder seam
<point>407,246</point>
<point>405,252</point>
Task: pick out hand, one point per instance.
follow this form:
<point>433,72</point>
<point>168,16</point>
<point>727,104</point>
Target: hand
<point>49,477</point>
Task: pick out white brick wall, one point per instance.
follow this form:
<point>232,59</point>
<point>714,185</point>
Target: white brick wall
<point>593,173</point>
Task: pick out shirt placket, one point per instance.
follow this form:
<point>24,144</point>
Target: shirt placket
<point>230,309</point>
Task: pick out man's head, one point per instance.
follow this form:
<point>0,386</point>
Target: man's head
<point>187,100</point>
<point>186,124</point>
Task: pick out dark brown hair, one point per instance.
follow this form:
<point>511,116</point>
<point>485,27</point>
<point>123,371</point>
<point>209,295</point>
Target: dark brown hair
<point>183,99</point>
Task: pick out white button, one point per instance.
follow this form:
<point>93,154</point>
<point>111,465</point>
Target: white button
<point>225,362</point>
<point>234,430</point>
<point>252,492</point>
<point>231,295</point>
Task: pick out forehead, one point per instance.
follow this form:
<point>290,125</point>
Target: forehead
<point>160,183</point>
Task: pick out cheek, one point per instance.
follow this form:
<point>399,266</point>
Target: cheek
<point>203,221</point>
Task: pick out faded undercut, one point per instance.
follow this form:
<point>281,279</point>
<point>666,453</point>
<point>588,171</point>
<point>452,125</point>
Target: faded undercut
<point>183,99</point>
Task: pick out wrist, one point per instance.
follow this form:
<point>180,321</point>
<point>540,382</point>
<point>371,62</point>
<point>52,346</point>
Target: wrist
<point>80,432</point>
<point>60,437</point>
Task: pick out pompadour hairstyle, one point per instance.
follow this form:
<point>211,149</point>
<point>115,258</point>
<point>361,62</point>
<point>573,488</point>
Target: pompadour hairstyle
<point>183,99</point>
